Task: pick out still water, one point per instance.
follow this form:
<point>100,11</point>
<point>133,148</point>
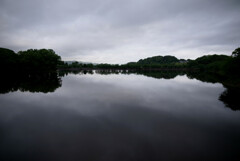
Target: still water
<point>112,117</point>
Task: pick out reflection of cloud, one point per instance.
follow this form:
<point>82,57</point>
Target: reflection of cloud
<point>96,94</point>
<point>118,116</point>
<point>122,31</point>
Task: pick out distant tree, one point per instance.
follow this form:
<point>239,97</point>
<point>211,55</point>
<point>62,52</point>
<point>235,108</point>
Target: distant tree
<point>75,64</point>
<point>236,53</point>
<point>233,67</point>
<point>8,59</point>
<point>159,60</point>
<point>43,59</point>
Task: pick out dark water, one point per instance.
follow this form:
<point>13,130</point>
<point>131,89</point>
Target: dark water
<point>117,117</point>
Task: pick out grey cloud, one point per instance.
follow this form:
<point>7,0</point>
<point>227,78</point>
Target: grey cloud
<point>120,31</point>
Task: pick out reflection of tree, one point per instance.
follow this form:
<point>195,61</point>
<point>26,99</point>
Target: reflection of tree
<point>230,97</point>
<point>205,77</point>
<point>32,82</point>
<point>160,74</point>
<point>63,73</point>
<point>108,71</point>
<point>148,73</point>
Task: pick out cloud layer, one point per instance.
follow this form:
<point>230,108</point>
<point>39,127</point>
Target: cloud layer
<point>111,31</point>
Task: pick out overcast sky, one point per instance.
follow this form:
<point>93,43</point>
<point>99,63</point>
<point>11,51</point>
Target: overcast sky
<point>119,31</point>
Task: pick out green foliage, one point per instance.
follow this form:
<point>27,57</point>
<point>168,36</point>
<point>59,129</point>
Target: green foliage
<point>159,60</point>
<point>75,65</point>
<point>8,59</point>
<point>43,59</point>
<point>210,63</point>
<point>47,59</point>
<point>236,53</point>
<point>226,67</point>
<point>30,60</point>
<point>233,67</point>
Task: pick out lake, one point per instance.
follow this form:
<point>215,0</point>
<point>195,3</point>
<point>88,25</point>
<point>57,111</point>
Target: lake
<point>117,116</point>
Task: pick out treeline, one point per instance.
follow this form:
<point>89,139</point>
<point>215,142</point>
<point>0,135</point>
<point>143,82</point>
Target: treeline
<point>47,59</point>
<point>30,60</point>
<point>157,62</point>
<point>217,64</point>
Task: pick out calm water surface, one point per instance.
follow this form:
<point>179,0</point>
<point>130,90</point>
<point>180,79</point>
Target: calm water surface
<point>119,117</point>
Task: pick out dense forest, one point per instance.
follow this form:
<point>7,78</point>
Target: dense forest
<point>30,60</point>
<point>47,59</point>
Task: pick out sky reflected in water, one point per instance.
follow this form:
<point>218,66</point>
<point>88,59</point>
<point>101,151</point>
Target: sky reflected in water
<point>119,117</point>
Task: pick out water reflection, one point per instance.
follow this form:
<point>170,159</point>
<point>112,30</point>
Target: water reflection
<point>119,117</point>
<point>50,81</point>
<point>229,97</point>
<point>30,82</point>
<point>153,74</point>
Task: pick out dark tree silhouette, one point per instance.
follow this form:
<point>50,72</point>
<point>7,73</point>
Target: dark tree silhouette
<point>230,97</point>
<point>43,59</point>
<point>33,82</point>
<point>236,53</point>
<point>8,59</point>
